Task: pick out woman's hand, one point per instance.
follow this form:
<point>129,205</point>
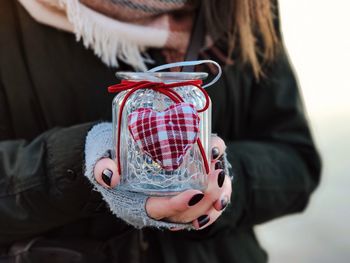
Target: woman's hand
<point>191,206</point>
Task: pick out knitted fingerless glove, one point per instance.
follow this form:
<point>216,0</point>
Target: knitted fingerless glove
<point>126,205</point>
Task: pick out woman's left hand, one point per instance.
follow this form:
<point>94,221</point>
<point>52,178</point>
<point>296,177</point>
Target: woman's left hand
<point>202,209</point>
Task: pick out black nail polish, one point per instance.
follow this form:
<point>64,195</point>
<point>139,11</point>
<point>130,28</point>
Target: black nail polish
<point>224,203</point>
<point>219,165</point>
<point>109,154</point>
<point>107,176</point>
<point>195,199</point>
<point>215,152</point>
<point>203,220</point>
<point>221,178</point>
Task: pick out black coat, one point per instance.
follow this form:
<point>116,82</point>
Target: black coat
<point>52,90</point>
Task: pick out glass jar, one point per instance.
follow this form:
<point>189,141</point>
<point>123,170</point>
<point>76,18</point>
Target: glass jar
<point>139,172</point>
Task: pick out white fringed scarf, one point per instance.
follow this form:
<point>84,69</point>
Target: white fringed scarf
<point>120,29</point>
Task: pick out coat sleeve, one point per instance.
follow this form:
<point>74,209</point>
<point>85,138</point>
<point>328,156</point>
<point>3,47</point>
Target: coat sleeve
<point>37,178</point>
<point>276,165</point>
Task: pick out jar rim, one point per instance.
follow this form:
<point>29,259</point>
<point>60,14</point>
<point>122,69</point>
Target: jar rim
<point>161,76</point>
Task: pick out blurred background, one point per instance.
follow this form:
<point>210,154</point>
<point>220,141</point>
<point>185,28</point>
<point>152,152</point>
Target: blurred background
<point>317,36</point>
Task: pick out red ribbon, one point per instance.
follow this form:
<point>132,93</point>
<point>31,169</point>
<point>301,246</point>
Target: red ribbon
<point>166,89</point>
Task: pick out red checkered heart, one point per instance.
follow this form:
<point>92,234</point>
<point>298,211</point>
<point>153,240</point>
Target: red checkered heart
<point>165,136</point>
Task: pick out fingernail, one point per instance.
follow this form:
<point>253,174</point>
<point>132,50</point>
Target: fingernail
<point>215,152</point>
<point>109,154</point>
<point>203,220</point>
<point>195,199</point>
<point>107,176</point>
<point>221,178</point>
<point>218,165</point>
<point>224,202</point>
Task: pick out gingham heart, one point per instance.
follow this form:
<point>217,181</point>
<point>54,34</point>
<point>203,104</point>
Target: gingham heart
<point>165,136</point>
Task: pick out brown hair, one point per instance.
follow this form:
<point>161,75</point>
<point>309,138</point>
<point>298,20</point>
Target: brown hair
<point>243,23</point>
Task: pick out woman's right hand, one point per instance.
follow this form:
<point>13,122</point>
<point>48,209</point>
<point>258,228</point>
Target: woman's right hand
<point>191,206</point>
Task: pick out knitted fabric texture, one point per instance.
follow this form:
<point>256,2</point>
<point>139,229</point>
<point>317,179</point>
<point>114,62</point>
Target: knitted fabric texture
<point>165,136</point>
<point>128,206</point>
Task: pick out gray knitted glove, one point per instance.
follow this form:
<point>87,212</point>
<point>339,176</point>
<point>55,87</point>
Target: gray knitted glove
<point>126,205</point>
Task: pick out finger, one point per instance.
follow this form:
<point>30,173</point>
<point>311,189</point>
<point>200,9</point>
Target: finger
<point>106,174</point>
<point>211,195</point>
<point>217,164</point>
<point>217,147</point>
<point>216,180</point>
<point>221,203</point>
<point>166,207</point>
<point>206,219</point>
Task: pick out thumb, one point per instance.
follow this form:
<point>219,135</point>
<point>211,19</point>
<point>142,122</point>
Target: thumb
<point>163,207</point>
<point>106,174</point>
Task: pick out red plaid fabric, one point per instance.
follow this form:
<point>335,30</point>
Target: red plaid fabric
<point>165,136</point>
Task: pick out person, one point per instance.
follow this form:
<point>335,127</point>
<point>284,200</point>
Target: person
<point>53,94</point>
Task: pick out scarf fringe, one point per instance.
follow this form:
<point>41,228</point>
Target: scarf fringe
<point>107,42</point>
